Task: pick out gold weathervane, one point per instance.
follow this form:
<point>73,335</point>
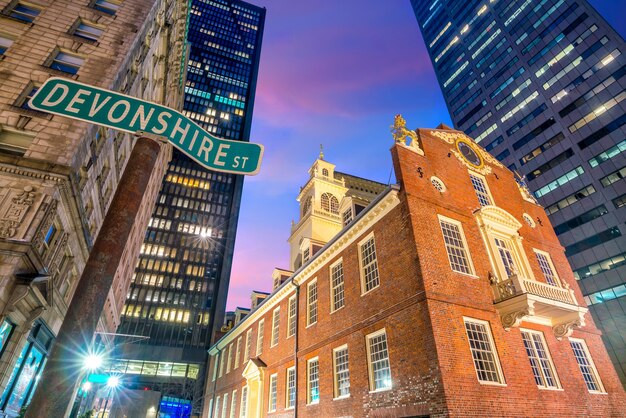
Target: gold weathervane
<point>400,135</point>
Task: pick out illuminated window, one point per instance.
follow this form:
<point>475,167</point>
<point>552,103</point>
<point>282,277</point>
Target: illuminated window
<point>585,363</point>
<point>369,265</point>
<point>564,179</point>
<point>233,403</point>
<point>485,357</point>
<point>454,241</point>
<point>291,328</point>
<point>312,303</point>
<point>275,326</point>
<point>291,388</point>
<point>341,372</point>
<point>313,381</point>
<point>337,286</point>
<point>540,360</point>
<point>330,203</point>
<point>244,403</point>
<point>481,189</point>
<point>378,361</point>
<point>273,392</point>
<point>259,340</point>
<point>506,256</point>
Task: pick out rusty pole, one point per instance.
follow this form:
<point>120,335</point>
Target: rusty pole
<point>55,392</point>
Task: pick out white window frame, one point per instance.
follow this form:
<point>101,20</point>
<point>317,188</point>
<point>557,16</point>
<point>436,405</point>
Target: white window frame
<point>233,403</point>
<point>259,337</point>
<point>248,346</point>
<point>217,411</point>
<point>273,393</point>
<point>592,365</point>
<point>225,405</point>
<point>557,280</point>
<point>295,387</point>
<point>485,184</point>
<point>221,373</point>
<point>548,358</point>
<point>312,306</point>
<point>275,327</point>
<point>458,224</point>
<point>215,367</point>
<point>237,353</point>
<point>229,358</point>
<point>360,245</point>
<point>336,375</point>
<point>292,317</point>
<point>308,381</point>
<point>494,352</point>
<point>243,408</point>
<point>333,288</point>
<point>370,367</point>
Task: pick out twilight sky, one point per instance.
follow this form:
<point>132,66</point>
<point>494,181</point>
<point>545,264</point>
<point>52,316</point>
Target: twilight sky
<point>332,72</point>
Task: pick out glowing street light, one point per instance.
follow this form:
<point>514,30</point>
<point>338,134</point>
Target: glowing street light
<point>87,386</point>
<point>93,361</point>
<point>113,382</point>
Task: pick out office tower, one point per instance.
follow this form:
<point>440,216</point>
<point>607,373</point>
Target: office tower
<point>57,175</point>
<point>178,292</point>
<point>540,85</point>
<point>412,309</point>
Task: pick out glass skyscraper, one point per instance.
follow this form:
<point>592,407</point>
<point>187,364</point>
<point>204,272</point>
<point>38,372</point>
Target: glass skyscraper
<point>539,84</point>
<point>178,293</point>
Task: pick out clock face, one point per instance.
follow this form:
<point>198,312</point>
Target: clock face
<point>469,154</point>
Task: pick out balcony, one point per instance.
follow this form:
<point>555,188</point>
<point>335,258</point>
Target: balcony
<point>519,299</point>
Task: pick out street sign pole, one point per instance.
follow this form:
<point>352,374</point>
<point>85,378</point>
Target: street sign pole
<point>54,395</point>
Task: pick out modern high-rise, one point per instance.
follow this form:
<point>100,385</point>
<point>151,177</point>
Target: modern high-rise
<point>178,293</point>
<point>540,85</point>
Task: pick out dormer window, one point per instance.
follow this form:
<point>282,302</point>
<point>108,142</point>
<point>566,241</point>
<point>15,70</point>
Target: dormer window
<point>347,216</point>
<point>305,255</point>
<point>330,203</point>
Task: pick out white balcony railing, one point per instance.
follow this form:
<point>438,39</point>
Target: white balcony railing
<point>516,285</point>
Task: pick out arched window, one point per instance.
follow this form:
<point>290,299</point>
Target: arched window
<point>306,206</point>
<point>324,172</point>
<point>330,203</point>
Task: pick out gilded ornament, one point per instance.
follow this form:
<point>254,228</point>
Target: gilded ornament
<point>400,135</point>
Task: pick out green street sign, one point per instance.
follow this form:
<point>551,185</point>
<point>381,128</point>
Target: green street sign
<point>118,111</point>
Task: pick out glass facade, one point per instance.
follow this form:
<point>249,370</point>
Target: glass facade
<point>540,84</point>
<point>178,292</point>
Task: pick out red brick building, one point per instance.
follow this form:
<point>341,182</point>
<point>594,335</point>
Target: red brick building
<point>448,295</point>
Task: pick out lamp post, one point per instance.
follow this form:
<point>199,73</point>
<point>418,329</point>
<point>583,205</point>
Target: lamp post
<point>112,383</point>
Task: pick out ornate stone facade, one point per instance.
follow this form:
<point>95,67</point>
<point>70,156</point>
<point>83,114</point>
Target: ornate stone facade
<point>58,176</point>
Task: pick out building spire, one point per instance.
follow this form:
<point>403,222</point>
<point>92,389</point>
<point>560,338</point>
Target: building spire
<point>321,157</point>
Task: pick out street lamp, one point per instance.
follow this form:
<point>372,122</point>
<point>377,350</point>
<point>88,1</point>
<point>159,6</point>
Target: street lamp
<point>113,382</point>
<point>93,361</point>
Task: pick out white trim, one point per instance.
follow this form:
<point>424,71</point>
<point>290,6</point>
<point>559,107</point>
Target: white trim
<point>334,359</point>
<point>494,351</point>
<point>275,327</point>
<point>444,218</point>
<point>289,316</point>
<point>260,338</point>
<point>435,179</point>
<point>549,356</point>
<point>602,390</point>
<point>330,282</point>
<point>269,398</point>
<point>360,244</point>
<point>287,386</point>
<point>370,371</point>
<point>317,306</point>
<point>550,263</point>
<point>308,381</point>
<point>484,180</point>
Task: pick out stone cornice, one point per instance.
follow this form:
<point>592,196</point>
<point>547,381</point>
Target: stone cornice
<point>380,207</point>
